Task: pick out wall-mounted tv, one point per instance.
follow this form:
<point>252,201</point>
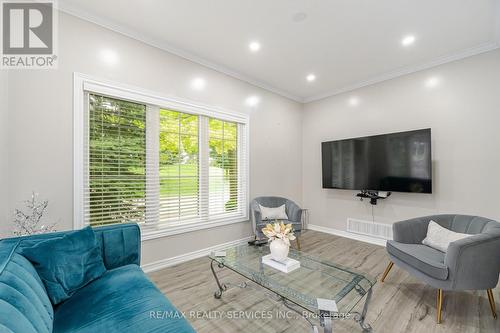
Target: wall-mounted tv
<point>398,162</point>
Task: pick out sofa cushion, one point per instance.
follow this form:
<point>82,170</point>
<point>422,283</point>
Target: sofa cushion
<point>66,263</point>
<point>426,259</point>
<point>120,243</point>
<point>24,304</point>
<point>122,300</point>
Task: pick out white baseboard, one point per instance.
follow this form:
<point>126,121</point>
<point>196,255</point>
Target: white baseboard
<point>342,233</point>
<point>167,262</point>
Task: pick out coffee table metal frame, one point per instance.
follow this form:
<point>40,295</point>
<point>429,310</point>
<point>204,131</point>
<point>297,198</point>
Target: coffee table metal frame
<point>325,317</point>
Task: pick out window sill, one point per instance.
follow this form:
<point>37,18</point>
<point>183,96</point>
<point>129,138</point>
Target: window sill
<point>149,232</point>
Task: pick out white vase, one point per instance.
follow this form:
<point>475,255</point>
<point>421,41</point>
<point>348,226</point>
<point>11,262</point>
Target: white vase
<point>279,249</point>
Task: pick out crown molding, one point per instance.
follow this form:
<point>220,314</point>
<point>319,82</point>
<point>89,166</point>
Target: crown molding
<point>108,24</point>
<point>482,48</point>
<point>77,11</point>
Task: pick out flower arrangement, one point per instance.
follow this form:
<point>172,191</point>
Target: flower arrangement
<point>280,231</point>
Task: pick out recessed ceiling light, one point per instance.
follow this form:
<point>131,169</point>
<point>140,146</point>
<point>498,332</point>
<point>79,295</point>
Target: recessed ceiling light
<point>109,56</point>
<point>353,101</point>
<point>299,17</point>
<point>432,82</point>
<point>311,77</point>
<point>408,40</point>
<point>252,101</point>
<point>198,83</point>
<point>254,46</point>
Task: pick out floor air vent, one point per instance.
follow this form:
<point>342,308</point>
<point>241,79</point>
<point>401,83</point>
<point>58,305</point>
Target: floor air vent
<point>368,228</point>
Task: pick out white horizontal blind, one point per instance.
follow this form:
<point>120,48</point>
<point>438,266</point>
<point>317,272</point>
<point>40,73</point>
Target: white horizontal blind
<point>224,188</point>
<point>152,165</point>
<point>146,164</point>
<point>178,167</point>
<point>115,164</point>
<point>242,170</point>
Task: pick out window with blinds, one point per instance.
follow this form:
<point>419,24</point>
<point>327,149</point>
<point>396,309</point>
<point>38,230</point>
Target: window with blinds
<point>179,168</point>
<point>157,166</point>
<point>223,166</point>
<point>116,163</point>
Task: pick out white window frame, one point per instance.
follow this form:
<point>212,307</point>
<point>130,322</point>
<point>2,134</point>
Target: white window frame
<point>83,84</point>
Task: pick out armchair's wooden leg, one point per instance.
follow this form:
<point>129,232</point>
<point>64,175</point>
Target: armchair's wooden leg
<point>387,271</point>
<point>439,304</point>
<point>298,243</point>
<point>492,303</point>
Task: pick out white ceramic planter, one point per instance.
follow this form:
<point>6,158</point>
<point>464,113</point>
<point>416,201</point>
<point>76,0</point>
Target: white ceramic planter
<point>279,250</point>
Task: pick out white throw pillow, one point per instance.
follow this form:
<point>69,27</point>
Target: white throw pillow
<point>440,238</point>
<point>271,213</point>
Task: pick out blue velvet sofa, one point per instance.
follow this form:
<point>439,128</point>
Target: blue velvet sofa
<point>122,300</point>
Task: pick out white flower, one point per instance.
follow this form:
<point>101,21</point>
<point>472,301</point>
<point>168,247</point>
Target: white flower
<point>279,231</point>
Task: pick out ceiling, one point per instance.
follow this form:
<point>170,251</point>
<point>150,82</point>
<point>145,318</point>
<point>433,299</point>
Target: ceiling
<point>345,43</point>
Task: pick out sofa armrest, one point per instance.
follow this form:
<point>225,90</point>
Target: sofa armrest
<point>120,244</point>
<point>474,262</point>
<point>411,231</point>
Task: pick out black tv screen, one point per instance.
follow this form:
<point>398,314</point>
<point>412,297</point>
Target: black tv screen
<point>399,162</point>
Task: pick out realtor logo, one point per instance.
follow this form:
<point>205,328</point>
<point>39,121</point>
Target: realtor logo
<point>28,34</point>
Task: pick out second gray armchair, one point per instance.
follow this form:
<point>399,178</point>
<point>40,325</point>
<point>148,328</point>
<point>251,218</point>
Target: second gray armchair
<point>471,263</point>
<point>293,211</point>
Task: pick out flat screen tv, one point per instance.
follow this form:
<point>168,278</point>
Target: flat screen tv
<point>398,162</point>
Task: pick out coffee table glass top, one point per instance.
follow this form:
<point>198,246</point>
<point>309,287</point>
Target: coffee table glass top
<point>316,278</point>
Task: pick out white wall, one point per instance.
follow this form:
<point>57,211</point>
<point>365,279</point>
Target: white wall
<point>41,125</point>
<point>4,105</point>
<point>463,111</point>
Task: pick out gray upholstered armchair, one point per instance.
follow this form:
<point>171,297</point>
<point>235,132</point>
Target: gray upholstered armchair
<point>471,263</point>
<point>293,211</point>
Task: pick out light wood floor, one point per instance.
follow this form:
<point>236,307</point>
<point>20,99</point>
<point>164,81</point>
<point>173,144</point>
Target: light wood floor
<point>400,304</point>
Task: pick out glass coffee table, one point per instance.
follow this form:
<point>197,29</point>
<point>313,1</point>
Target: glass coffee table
<point>300,289</point>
